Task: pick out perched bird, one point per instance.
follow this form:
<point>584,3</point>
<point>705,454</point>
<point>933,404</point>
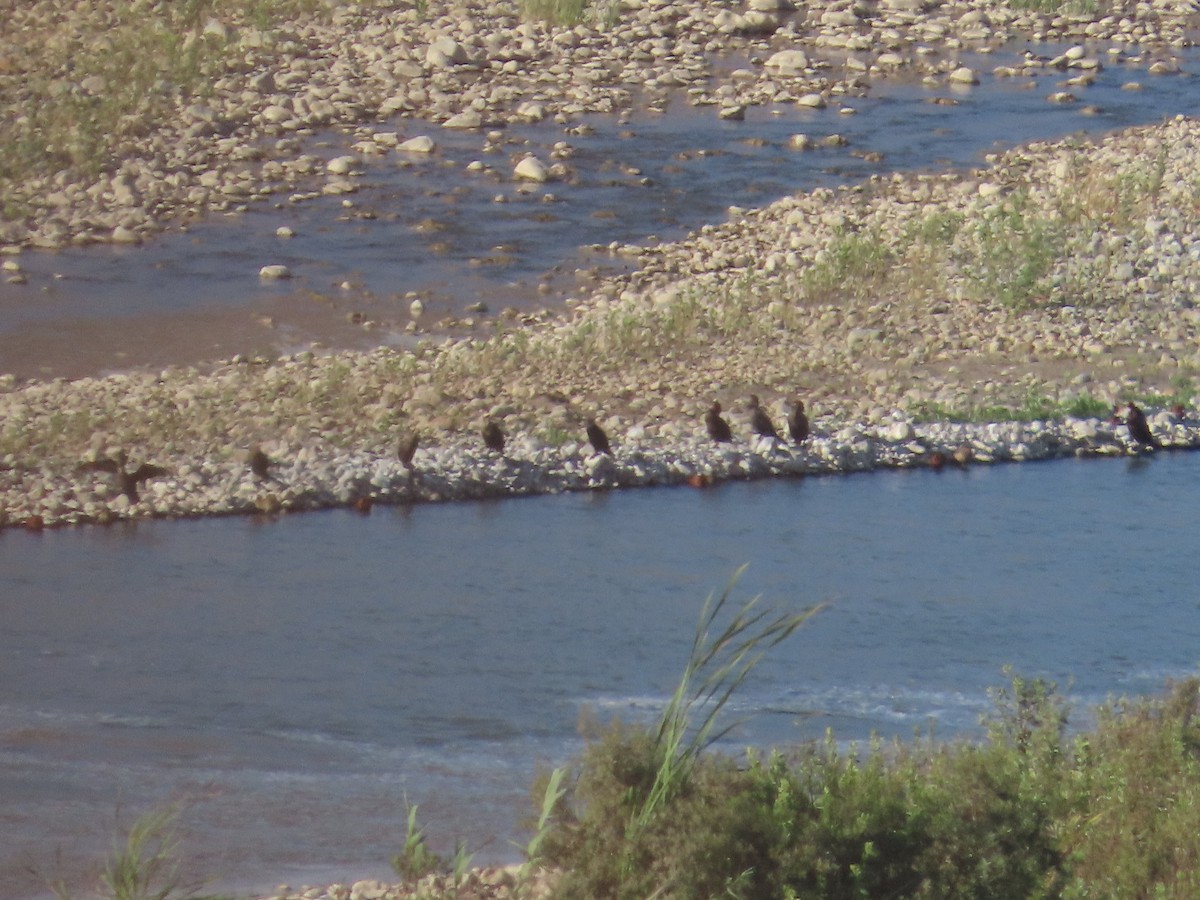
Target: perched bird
<point>798,423</point>
<point>126,479</point>
<point>760,422</point>
<point>718,428</point>
<point>493,436</point>
<point>1139,428</point>
<point>407,448</point>
<point>260,463</point>
<point>597,438</point>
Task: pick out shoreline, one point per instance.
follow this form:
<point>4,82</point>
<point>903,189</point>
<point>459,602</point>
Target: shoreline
<point>458,472</point>
<point>882,306</point>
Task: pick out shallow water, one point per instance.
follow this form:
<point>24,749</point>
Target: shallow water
<point>426,225</point>
<point>292,682</point>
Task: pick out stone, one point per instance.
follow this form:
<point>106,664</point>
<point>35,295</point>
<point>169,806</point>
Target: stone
<point>342,165</point>
<point>445,51</point>
<point>787,62</point>
<point>963,75</point>
<point>420,144</point>
<point>470,118</point>
<point>531,169</point>
<point>274,272</point>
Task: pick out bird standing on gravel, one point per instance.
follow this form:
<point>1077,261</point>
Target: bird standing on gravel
<point>406,449</point>
<point>260,463</point>
<point>718,428</point>
<point>760,422</point>
<point>127,480</point>
<point>798,423</point>
<point>597,438</point>
<point>1139,428</point>
<point>493,436</point>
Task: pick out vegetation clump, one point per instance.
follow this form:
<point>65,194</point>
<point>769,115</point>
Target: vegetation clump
<point>1030,811</point>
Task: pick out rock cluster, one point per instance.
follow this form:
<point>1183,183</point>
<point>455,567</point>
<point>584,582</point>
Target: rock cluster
<point>491,883</point>
<point>745,306</point>
<point>382,71</point>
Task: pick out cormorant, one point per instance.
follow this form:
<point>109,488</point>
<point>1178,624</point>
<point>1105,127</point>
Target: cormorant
<point>260,463</point>
<point>493,436</point>
<point>760,422</point>
<point>407,448</point>
<point>1139,428</point>
<point>597,437</point>
<point>718,428</point>
<point>798,423</point>
<point>128,480</point>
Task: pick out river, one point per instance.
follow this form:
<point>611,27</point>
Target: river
<point>291,684</point>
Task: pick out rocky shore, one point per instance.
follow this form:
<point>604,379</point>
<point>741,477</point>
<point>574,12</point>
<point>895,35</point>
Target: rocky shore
<point>386,72</point>
<point>886,307</point>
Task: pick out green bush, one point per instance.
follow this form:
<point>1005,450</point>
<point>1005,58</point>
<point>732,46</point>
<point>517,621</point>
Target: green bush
<point>1028,812</point>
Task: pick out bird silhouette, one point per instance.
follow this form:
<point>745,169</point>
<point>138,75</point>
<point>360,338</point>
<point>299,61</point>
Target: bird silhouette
<point>407,449</point>
<point>1139,428</point>
<point>493,436</point>
<point>597,438</point>
<point>760,422</point>
<point>260,463</point>
<point>127,480</point>
<point>798,423</point>
<point>718,428</point>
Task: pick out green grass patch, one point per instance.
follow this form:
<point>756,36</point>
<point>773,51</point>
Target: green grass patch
<point>78,99</point>
<point>1035,407</point>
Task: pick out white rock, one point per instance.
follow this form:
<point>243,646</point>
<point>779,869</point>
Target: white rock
<point>421,144</point>
<point>467,119</point>
<point>531,169</point>
<point>342,165</point>
<point>964,75</point>
<point>445,51</point>
<point>274,272</point>
<point>788,62</point>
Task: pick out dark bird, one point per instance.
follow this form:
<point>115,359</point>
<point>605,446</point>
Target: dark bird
<point>407,448</point>
<point>260,463</point>
<point>128,480</point>
<point>760,422</point>
<point>597,438</point>
<point>493,436</point>
<point>1139,428</point>
<point>798,423</point>
<point>718,428</point>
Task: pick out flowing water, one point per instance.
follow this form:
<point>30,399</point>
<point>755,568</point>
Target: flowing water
<point>293,682</point>
<point>427,225</point>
